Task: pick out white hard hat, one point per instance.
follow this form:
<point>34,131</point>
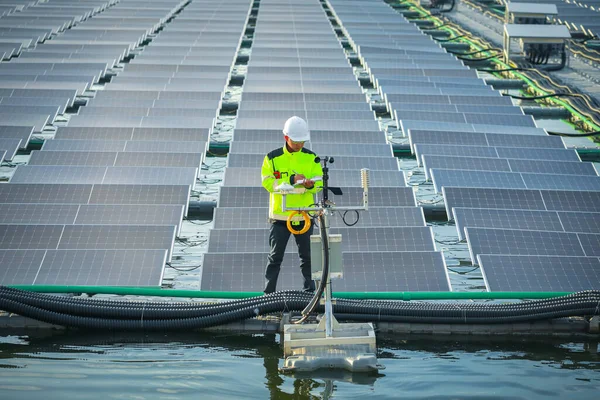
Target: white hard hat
<point>296,129</point>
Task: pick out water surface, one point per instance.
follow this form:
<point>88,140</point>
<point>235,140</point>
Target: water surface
<point>221,366</point>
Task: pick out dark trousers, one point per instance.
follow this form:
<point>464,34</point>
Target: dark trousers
<point>278,239</point>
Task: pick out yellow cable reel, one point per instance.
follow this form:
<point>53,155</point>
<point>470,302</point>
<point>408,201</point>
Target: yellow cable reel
<point>306,222</point>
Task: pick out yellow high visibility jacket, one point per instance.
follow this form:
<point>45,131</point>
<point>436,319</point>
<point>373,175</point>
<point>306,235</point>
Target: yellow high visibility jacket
<point>280,166</point>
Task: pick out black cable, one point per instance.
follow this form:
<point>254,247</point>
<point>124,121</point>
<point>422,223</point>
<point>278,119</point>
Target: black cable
<point>588,134</point>
<point>474,52</point>
<point>450,39</point>
<point>477,59</point>
<point>541,97</point>
<point>355,222</point>
<point>189,268</point>
<point>314,302</point>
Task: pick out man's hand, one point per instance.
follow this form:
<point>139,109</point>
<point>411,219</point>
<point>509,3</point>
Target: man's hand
<point>301,180</point>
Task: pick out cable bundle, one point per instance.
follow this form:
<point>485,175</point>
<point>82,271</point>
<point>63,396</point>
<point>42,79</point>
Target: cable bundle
<point>150,316</point>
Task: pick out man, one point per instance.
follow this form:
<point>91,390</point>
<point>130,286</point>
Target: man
<point>296,166</point>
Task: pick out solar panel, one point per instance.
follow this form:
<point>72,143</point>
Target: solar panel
<point>116,237</point>
<point>237,217</point>
<point>346,178</point>
<point>553,167</point>
<point>580,222</point>
<point>590,242</point>
<point>129,214</point>
<point>566,182</point>
<point>92,159</point>
<point>99,267</point>
<point>540,273</point>
<point>18,213</point>
<point>354,239</point>
<point>166,146</point>
<point>538,154</point>
<point>486,139</point>
<point>330,149</point>
<point>156,159</point>
<point>16,132</point>
<point>21,266</point>
<point>16,237</point>
<point>138,194</point>
<point>537,220</point>
<point>452,150</point>
<point>231,196</point>
<point>38,121</point>
<point>481,179</point>
<point>341,162</point>
<point>463,163</point>
<point>172,134</point>
<point>150,175</point>
<point>521,242</point>
<point>83,145</point>
<point>492,198</point>
<point>57,174</point>
<point>10,146</point>
<point>274,136</point>
<point>563,200</point>
<point>382,271</point>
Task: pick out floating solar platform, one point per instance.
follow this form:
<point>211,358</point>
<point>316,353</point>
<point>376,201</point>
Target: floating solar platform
<point>508,273</point>
<point>372,272</point>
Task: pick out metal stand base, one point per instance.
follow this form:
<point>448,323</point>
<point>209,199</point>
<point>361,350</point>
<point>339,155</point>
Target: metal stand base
<point>350,347</point>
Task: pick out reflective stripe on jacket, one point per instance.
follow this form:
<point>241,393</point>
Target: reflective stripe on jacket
<point>279,166</point>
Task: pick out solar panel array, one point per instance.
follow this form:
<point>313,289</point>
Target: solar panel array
<point>494,167</point>
<point>101,203</point>
<point>298,67</point>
